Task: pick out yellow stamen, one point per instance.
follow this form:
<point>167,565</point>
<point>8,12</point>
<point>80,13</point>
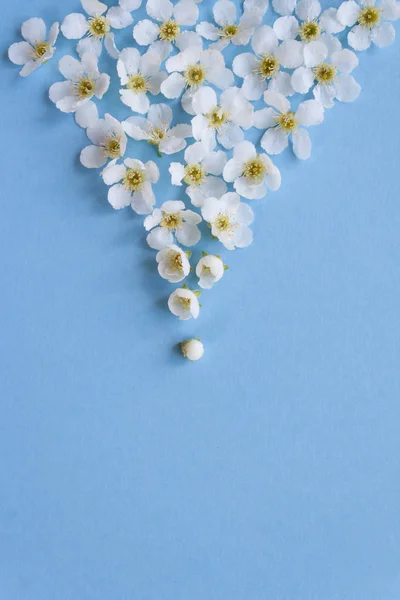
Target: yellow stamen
<point>171,221</point>
<point>98,26</point>
<point>184,302</point>
<point>194,175</point>
<point>217,117</point>
<point>133,179</point>
<point>287,122</point>
<point>229,31</point>
<point>268,66</point>
<point>309,31</point>
<point>84,88</point>
<point>137,83</point>
<point>112,146</point>
<point>223,224</point>
<point>254,170</point>
<point>195,76</point>
<point>40,49</point>
<point>169,30</point>
<point>175,260</point>
<point>369,17</point>
<point>325,73</point>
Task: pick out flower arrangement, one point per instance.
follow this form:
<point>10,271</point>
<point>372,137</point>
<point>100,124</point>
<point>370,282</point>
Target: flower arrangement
<point>174,56</point>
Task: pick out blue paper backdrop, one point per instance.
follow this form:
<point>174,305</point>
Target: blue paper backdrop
<point>267,471</point>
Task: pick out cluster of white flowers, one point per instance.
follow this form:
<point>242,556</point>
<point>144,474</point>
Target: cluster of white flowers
<point>176,55</point>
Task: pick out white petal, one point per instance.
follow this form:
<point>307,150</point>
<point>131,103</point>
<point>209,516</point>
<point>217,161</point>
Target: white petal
<point>290,54</point>
<point>128,62</point>
<point>160,115</point>
<point>224,12</point>
<point>315,53</point>
<point>188,235</point>
<point>34,31</point>
<point>152,171</point>
<point>171,145</point>
<point>89,44</point>
<point>302,80</point>
<point>195,153</point>
<point>208,31</point>
<point>20,53</point>
<point>345,60</point>
<point>383,35</point>
<point>301,143</point>
<point>243,236</point>
<point>284,7</point>
<point>215,162</point>
<point>159,238</point>
<point>244,64</point>
<point>181,131</point>
<point>329,21</point>
<point>93,7</point>
<point>232,170</point>
<point>86,115</point>
<point>153,220</point>
<point>348,13</point>
<point>142,202</point>
<point>137,102</point>
<point>60,90</point>
<point>173,85</point>
<point>113,173</point>
<point>331,42</point>
<point>119,197</point>
<point>130,5</point>
<point>244,151</point>
<point>308,10</point>
<point>390,10</point>
<point>273,178</point>
<point>325,95</point>
<point>137,128</point>
<point>74,26</point>
<point>162,48</point>
<point>188,39</point>
<point>71,68</point>
<point>264,118</point>
<point>149,63</point>
<point>253,87</point>
<point>230,136</point>
<point>172,206</point>
<point>177,171</point>
<point>159,10</point>
<point>309,113</point>
<point>204,100</point>
<point>145,32</point>
<point>92,157</point>
<point>359,38</point>
<point>286,28</point>
<point>109,45</point>
<point>264,40</point>
<point>274,141</point>
<point>347,88</point>
<point>119,18</point>
<point>282,84</point>
<point>277,101</point>
<point>221,77</point>
<point>186,12</point>
<point>102,85</point>
<point>255,8</point>
<point>252,192</point>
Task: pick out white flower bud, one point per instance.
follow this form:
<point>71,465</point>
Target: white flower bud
<point>192,349</point>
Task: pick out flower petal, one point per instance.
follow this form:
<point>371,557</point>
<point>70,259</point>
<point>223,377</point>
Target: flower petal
<point>329,21</point>
<point>204,100</point>
<point>309,113</point>
<point>264,40</point>
<point>93,7</point>
<point>86,114</point>
<point>34,31</point>
<point>315,53</point>
<point>74,26</point>
<point>159,10</point>
<point>186,12</point>
<point>92,157</point>
<point>345,60</point>
<point>286,28</point>
<point>264,118</point>
<point>301,143</point>
<point>244,64</point>
<point>347,88</point>
<point>20,53</point>
<point>188,235</point>
<point>284,7</point>
<point>348,13</point>
<point>142,202</point>
<point>290,54</point>
<point>383,35</point>
<point>277,101</point>
<point>159,238</point>
<point>119,197</point>
<point>282,84</point>
<point>274,140</point>
<point>359,38</point>
<point>71,68</point>
<point>208,31</point>
<point>224,12</point>
<point>119,18</point>
<point>173,85</point>
<point>253,87</point>
<point>308,10</point>
<point>145,32</point>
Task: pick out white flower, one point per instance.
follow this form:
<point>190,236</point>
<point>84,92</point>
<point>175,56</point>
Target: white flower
<point>251,173</point>
<point>192,68</point>
<point>135,189</point>
<point>229,219</point>
<point>173,263</point>
<point>83,81</point>
<point>192,349</point>
<point>109,142</point>
<point>199,173</point>
<point>163,35</point>
<point>223,119</point>
<point>262,69</point>
<point>209,270</point>
<point>139,74</point>
<point>170,218</point>
<point>371,22</point>
<point>283,122</point>
<point>228,30</point>
<point>157,130</point>
<point>36,50</point>
<point>97,27</point>
<point>332,79</point>
<point>184,303</point>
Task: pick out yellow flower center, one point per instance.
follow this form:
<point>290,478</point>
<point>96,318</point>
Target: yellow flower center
<point>268,66</point>
<point>156,134</point>
<point>99,26</point>
<point>325,73</point>
<point>194,76</point>
<point>369,17</point>
<point>137,83</point>
<point>85,88</point>
<point>229,31</point>
<point>169,30</point>
<point>184,302</point>
<point>171,221</point>
<point>217,117</point>
<point>287,122</point>
<point>112,146</point>
<point>223,224</point>
<point>309,31</point>
<point>133,179</point>
<point>194,175</point>
<point>175,260</point>
<point>40,49</point>
<point>254,170</point>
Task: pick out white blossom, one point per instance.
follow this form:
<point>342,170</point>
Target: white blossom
<point>228,29</point>
<point>209,270</point>
<point>172,218</point>
<point>281,122</point>
<point>369,22</point>
<point>229,219</point>
<point>108,142</point>
<point>192,68</point>
<point>221,119</point>
<point>96,26</point>
<point>157,130</point>
<point>184,303</point>
<point>332,78</point>
<point>162,36</point>
<point>192,349</point>
<point>173,263</point>
<point>139,75</point>
<point>83,81</point>
<point>131,184</point>
<point>36,49</point>
<point>200,173</point>
<point>251,173</point>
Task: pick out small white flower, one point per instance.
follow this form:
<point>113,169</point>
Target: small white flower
<point>229,219</point>
<point>135,189</point>
<point>332,79</point>
<point>139,74</point>
<point>162,36</point>
<point>157,130</point>
<point>262,69</point>
<point>283,122</point>
<point>228,30</point>
<point>83,81</point>
<point>370,22</point>
<point>184,303</point>
<point>36,50</point>
<point>199,173</point>
<point>251,173</point>
<point>191,69</point>
<point>192,349</point>
<point>223,119</point>
<point>97,26</point>
<point>173,263</point>
<point>108,143</point>
<point>170,218</point>
<point>209,270</point>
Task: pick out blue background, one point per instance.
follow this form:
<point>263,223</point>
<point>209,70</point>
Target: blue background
<point>269,469</point>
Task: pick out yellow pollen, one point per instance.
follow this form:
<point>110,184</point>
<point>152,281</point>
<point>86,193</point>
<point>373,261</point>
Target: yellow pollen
<point>156,134</point>
<point>99,26</point>
<point>217,117</point>
<point>229,31</point>
<point>137,83</point>
<point>309,31</point>
<point>268,66</point>
<point>171,221</point>
<point>133,179</point>
<point>224,224</point>
<point>369,17</point>
<point>194,175</point>
<point>40,49</point>
<point>112,147</point>
<point>325,73</point>
<point>175,260</point>
<point>169,30</point>
<point>254,170</point>
<point>194,76</point>
<point>184,302</point>
<point>85,88</point>
<point>287,122</point>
